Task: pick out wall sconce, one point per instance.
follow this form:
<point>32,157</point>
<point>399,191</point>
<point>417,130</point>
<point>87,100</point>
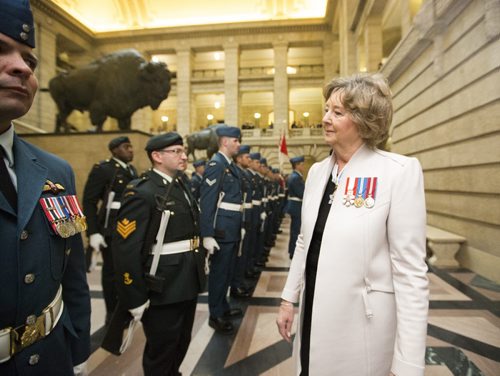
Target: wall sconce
<point>217,104</point>
<point>210,117</point>
<point>257,116</point>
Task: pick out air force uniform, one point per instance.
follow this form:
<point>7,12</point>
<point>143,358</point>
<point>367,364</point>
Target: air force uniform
<point>296,186</point>
<point>44,296</point>
<point>221,215</point>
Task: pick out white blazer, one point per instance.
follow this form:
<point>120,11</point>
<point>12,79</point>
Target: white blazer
<point>371,295</point>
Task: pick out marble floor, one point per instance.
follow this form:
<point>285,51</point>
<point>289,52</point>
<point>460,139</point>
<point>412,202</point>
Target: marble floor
<point>463,333</point>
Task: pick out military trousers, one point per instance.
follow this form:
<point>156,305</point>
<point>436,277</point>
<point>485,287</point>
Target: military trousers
<point>222,264</point>
<point>168,334</point>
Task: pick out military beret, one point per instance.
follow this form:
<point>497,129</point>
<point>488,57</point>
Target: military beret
<point>163,140</point>
<point>255,156</point>
<point>199,162</point>
<point>17,21</point>
<point>275,170</point>
<point>115,142</point>
<point>298,159</point>
<point>263,161</point>
<point>244,149</point>
<point>227,131</point>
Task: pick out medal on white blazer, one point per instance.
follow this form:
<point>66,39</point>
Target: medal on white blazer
<point>360,192</point>
<point>372,185</point>
<point>348,198</point>
<point>360,185</point>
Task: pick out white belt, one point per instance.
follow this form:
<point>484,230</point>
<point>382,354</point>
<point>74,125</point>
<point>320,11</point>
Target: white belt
<point>295,199</point>
<point>180,246</point>
<point>115,205</point>
<point>13,340</point>
<point>281,195</point>
<point>247,205</point>
<point>265,199</point>
<point>231,207</point>
<point>256,202</point>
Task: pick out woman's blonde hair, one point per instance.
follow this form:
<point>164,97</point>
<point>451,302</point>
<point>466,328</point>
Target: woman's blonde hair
<point>368,100</point>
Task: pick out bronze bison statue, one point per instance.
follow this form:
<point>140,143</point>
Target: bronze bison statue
<point>115,85</point>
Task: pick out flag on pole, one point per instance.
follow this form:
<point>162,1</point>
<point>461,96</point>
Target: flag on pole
<point>282,150</point>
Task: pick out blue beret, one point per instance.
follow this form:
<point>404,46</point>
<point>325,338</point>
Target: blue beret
<point>163,140</point>
<point>263,161</point>
<point>298,159</point>
<point>227,131</point>
<point>17,21</point>
<point>244,149</point>
<point>255,156</point>
<point>276,170</point>
<point>115,142</point>
<point>199,162</point>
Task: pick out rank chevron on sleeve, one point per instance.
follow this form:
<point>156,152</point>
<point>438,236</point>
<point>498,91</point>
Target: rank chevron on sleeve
<point>125,227</point>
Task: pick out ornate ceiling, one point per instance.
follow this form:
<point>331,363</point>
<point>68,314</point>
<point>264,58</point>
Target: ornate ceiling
<point>119,15</point>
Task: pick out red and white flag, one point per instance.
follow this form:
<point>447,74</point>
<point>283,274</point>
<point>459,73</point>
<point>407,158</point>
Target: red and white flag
<point>282,150</point>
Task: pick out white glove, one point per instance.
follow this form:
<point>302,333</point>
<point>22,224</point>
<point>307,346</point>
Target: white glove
<point>210,244</point>
<point>137,312</point>
<point>263,216</point>
<point>97,241</point>
<point>81,369</point>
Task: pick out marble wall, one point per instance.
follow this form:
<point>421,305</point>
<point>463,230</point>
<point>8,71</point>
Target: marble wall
<point>444,76</point>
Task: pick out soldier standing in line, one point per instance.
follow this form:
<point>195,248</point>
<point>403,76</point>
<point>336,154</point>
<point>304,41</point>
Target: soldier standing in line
<point>296,186</point>
<point>257,210</point>
<point>195,182</point>
<point>220,219</point>
<point>157,256</point>
<point>44,296</point>
<point>238,287</point>
<point>105,185</point>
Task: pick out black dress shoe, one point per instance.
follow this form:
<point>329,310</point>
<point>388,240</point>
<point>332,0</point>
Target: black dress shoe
<point>240,293</point>
<point>221,325</point>
<point>233,313</point>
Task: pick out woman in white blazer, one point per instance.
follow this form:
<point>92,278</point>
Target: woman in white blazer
<point>359,271</point>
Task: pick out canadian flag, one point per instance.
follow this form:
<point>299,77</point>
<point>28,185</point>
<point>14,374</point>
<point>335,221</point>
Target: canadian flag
<point>282,150</point>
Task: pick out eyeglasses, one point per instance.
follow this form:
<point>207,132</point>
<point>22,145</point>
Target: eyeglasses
<point>177,152</point>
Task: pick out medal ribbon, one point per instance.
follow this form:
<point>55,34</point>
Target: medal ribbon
<point>359,185</point>
<point>64,209</point>
<point>373,188</point>
<point>48,209</point>
<point>347,186</point>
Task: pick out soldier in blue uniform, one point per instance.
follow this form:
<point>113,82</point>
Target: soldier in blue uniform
<point>159,281</point>
<point>220,220</point>
<point>295,185</point>
<point>257,210</point>
<point>195,182</point>
<point>44,296</point>
<point>101,200</point>
<point>238,287</point>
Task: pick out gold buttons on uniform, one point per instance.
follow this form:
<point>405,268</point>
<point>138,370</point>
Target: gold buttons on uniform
<point>68,251</point>
<point>29,278</point>
<point>33,360</point>
<point>30,320</point>
<point>24,235</point>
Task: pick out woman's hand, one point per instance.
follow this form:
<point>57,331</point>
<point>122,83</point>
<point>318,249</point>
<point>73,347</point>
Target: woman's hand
<point>285,320</point>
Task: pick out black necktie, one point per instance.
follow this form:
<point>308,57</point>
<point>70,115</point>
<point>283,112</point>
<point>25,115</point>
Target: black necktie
<point>6,185</point>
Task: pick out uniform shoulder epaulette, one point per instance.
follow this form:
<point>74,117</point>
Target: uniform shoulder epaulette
<point>212,163</point>
<point>137,182</point>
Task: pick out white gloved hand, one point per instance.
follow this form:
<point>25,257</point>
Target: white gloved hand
<point>81,369</point>
<point>137,312</point>
<point>97,241</point>
<point>210,244</point>
<point>263,216</point>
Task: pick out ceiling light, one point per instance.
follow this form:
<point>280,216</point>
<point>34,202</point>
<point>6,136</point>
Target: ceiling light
<point>256,115</point>
<point>217,104</point>
<point>305,114</point>
<point>210,117</point>
<point>216,55</point>
<point>164,118</point>
<point>291,70</point>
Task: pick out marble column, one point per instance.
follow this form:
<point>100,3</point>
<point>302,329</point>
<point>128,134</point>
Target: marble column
<point>231,88</point>
<point>373,43</point>
<point>406,17</point>
<point>347,38</point>
<point>184,97</point>
<point>43,111</point>
<point>280,86</point>
<point>330,56</point>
